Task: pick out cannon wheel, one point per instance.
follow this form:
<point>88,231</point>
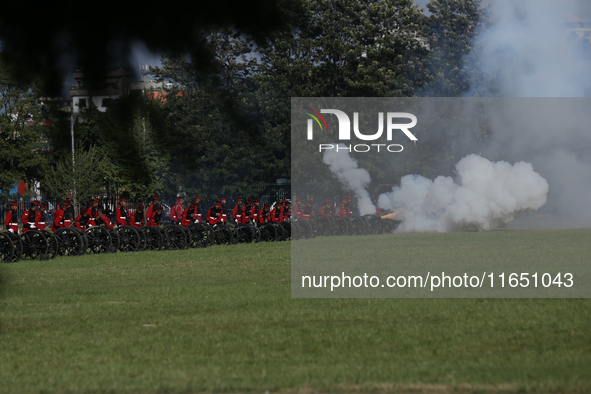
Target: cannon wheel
<point>99,240</point>
<point>295,230</point>
<point>359,226</point>
<point>143,239</point>
<point>53,245</point>
<point>303,230</point>
<point>194,235</point>
<point>268,232</point>
<point>206,236</point>
<point>225,235</point>
<point>83,237</point>
<point>324,225</point>
<point>165,240</point>
<point>17,243</point>
<point>257,234</point>
<point>129,238</point>
<point>375,223</point>
<point>154,238</point>
<point>34,244</point>
<point>6,248</point>
<point>70,242</point>
<point>281,234</point>
<point>115,240</point>
<point>200,235</point>
<point>177,237</point>
<point>389,225</point>
<point>286,229</point>
<point>341,225</point>
<point>245,233</point>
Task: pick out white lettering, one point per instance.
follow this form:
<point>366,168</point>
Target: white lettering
<point>372,136</point>
<point>344,123</point>
<point>395,151</point>
<point>402,126</point>
<point>356,148</point>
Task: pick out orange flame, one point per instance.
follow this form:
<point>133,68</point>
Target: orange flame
<point>390,215</point>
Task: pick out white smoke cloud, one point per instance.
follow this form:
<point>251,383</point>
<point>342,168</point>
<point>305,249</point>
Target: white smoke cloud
<point>533,49</point>
<point>347,171</point>
<point>486,196</point>
<point>529,51</point>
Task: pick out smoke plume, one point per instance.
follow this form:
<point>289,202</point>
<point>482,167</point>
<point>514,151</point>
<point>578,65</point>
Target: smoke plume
<point>541,49</point>
<point>347,171</point>
<point>485,196</point>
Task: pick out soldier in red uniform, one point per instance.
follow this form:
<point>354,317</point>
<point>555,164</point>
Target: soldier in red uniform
<point>69,214</point>
<point>102,220</point>
<point>188,215</point>
<point>254,212</point>
<point>277,212</point>
<point>176,213</point>
<point>214,214</point>
<point>297,207</point>
<point>152,210</point>
<point>137,218</point>
<point>154,219</point>
<point>246,211</point>
<point>263,214</point>
<point>152,207</point>
<point>41,216</point>
<point>286,215</point>
<point>121,213</point>
<point>93,208</point>
<point>11,221</point>
<point>224,211</point>
<point>327,208</point>
<point>83,220</point>
<point>63,216</point>
<point>345,207</point>
<point>237,211</point>
<point>28,218</point>
<point>197,218</point>
<point>307,210</point>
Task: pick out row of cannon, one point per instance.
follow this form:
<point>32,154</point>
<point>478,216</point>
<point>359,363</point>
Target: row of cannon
<point>71,241</point>
<point>321,225</point>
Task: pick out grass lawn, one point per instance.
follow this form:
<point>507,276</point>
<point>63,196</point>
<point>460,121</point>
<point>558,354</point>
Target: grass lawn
<point>222,319</point>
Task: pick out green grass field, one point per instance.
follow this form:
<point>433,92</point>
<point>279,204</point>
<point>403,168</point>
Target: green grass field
<point>222,320</point>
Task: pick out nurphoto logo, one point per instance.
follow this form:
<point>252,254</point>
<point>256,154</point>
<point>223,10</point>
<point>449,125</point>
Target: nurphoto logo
<point>344,131</point>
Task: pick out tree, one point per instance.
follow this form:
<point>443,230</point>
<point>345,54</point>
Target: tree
<point>219,138</point>
<point>358,48</point>
<point>21,129</point>
<point>131,137</point>
<point>454,24</point>
<point>82,179</point>
<point>341,49</point>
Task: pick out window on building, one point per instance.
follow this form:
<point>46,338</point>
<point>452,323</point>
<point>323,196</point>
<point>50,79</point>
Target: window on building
<point>82,103</point>
<point>107,102</point>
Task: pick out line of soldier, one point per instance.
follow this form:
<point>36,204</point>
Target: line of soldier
<point>36,218</point>
<point>249,213</point>
<point>306,211</point>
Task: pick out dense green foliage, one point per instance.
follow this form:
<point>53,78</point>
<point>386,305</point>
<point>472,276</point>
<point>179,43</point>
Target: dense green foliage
<point>20,132</point>
<point>454,24</point>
